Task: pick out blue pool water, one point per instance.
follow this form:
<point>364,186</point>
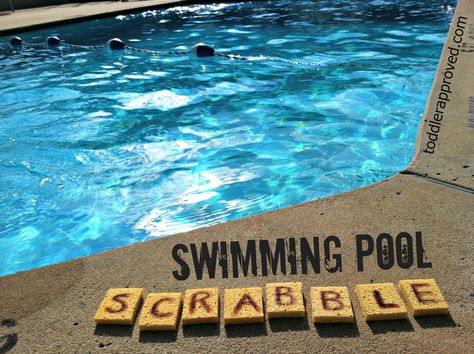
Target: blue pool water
<point>101,149</point>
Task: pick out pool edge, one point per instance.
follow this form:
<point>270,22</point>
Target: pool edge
<point>444,147</point>
<point>71,14</point>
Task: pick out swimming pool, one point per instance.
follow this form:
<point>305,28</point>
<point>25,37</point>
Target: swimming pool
<point>101,149</point>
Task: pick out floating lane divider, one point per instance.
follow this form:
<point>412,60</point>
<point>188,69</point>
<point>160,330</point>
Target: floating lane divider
<point>199,50</point>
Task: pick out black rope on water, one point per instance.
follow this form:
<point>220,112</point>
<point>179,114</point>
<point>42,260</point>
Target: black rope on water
<point>231,56</point>
<point>33,45</point>
<point>290,61</point>
<point>199,50</point>
<point>156,52</point>
<point>43,45</point>
<point>82,46</point>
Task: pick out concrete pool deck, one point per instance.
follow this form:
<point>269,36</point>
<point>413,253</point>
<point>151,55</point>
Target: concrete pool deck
<point>34,18</point>
<point>39,17</point>
<point>51,309</point>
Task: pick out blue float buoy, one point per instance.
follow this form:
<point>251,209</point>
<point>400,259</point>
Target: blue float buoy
<point>201,50</point>
<point>53,41</point>
<point>16,41</point>
<point>115,44</point>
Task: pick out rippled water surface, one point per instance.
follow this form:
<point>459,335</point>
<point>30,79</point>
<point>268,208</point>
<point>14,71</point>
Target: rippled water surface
<point>101,149</point>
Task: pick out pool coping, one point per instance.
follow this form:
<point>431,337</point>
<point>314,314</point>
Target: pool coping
<point>49,16</point>
<point>51,308</point>
<point>443,150</point>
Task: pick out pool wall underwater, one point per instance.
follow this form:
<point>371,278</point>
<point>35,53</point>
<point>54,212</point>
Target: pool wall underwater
<point>50,309</point>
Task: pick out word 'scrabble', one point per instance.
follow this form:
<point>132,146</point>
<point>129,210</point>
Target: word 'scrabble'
<point>161,311</point>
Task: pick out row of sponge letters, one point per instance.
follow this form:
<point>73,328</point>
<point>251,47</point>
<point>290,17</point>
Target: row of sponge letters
<point>283,300</point>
